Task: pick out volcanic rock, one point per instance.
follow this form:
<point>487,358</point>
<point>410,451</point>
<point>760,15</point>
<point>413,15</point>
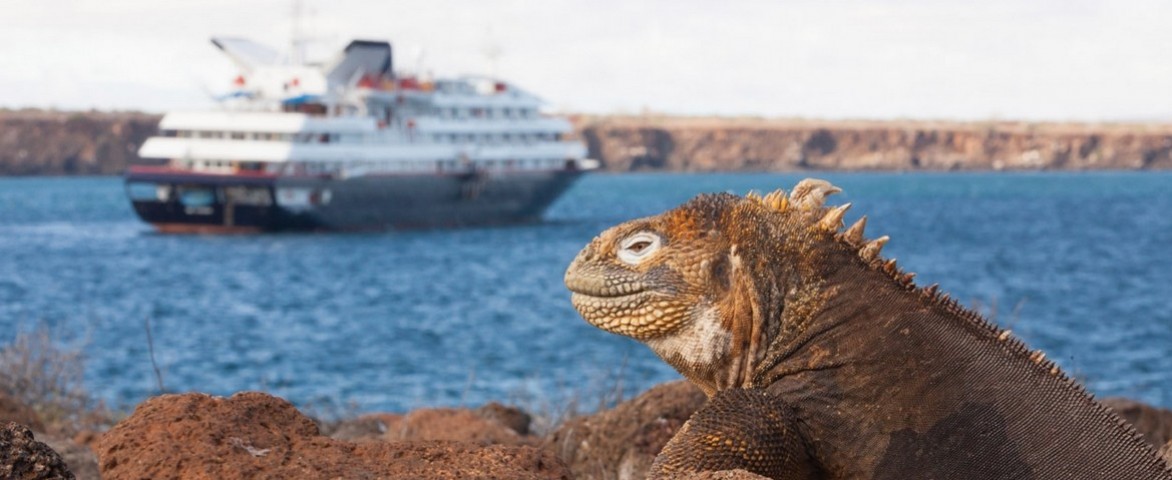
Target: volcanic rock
<point>255,435</point>
<point>22,457</point>
<point>622,442</point>
<point>78,456</point>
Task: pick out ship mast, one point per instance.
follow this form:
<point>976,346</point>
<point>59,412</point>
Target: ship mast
<point>296,42</point>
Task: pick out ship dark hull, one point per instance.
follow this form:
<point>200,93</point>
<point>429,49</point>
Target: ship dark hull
<point>186,202</point>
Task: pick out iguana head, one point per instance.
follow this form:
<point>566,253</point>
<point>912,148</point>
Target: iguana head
<point>705,284</point>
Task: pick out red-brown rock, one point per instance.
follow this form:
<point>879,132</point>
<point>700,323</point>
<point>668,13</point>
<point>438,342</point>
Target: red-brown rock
<point>513,418</point>
<point>622,442</point>
<point>254,435</point>
<point>492,424</point>
<point>22,457</point>
<point>451,424</point>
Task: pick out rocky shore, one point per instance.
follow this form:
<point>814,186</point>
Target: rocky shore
<point>256,435</point>
<point>34,142</point>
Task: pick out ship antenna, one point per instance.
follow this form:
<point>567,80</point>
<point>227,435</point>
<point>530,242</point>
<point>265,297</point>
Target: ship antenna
<point>492,52</point>
<point>295,42</point>
<point>417,54</point>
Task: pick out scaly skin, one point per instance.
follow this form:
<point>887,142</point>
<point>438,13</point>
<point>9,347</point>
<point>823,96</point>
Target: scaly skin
<point>824,361</point>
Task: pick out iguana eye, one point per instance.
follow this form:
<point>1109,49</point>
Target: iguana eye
<point>636,248</point>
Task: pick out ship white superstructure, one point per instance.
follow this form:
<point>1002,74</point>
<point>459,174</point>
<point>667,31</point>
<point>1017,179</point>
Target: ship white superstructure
<point>349,118</point>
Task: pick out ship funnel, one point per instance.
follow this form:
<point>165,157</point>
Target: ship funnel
<point>361,58</point>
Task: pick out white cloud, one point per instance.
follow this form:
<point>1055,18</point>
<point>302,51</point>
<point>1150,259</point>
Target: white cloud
<point>1078,59</point>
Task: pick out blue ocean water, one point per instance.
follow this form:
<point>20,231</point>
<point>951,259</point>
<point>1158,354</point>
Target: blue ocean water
<point>1078,264</point>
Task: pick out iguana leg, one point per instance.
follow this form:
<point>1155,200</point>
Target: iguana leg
<point>745,429</point>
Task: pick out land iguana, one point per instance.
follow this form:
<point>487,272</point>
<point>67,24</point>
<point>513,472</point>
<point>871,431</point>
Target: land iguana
<point>823,360</point>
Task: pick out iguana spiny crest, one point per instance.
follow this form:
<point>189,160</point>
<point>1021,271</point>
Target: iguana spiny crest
<point>699,284</point>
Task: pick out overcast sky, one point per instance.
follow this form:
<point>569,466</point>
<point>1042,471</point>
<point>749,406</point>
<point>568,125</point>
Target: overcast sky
<point>939,59</point>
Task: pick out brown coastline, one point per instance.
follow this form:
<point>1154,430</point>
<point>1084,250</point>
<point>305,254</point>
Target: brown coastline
<point>39,142</point>
<point>257,435</point>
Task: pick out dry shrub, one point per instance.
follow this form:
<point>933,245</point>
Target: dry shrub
<point>47,375</point>
<point>551,409</point>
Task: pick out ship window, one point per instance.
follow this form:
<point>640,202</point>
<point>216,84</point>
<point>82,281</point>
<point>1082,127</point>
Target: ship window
<point>196,196</point>
<point>148,191</point>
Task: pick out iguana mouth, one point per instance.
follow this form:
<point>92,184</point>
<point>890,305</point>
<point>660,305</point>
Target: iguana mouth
<point>594,306</point>
<point>599,288</point>
<point>639,314</point>
<point>602,309</point>
<point>628,299</point>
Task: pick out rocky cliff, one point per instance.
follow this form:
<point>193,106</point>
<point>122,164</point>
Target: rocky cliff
<point>690,144</point>
<point>69,143</point>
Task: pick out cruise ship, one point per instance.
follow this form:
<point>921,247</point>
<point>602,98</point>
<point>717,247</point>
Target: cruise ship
<point>349,144</point>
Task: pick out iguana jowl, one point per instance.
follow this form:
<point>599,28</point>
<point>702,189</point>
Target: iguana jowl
<point>823,360</point>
